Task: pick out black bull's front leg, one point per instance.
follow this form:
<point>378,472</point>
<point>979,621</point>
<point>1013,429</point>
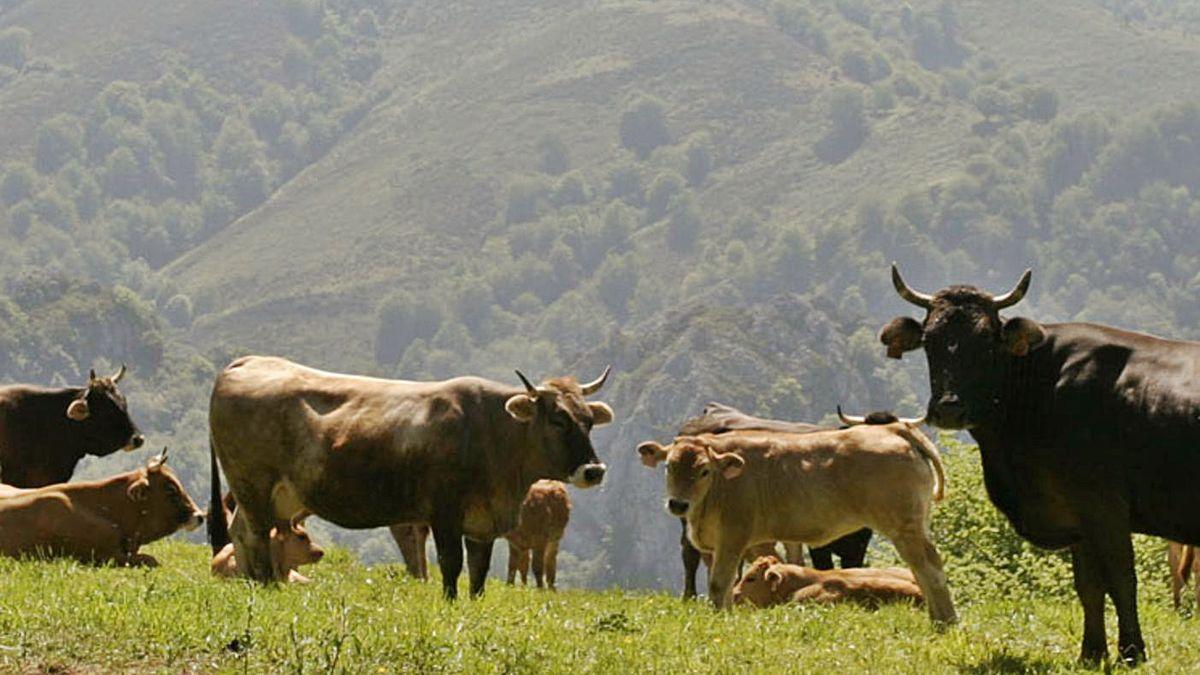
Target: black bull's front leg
<point>1103,564</point>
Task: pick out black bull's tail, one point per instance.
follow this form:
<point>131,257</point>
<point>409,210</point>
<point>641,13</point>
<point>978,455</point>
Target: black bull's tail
<point>218,529</point>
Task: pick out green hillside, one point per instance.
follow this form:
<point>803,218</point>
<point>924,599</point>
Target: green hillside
<point>704,194</point>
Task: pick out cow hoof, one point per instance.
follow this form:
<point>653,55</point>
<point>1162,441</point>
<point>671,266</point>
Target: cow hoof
<point>1093,656</point>
<point>1132,654</point>
<point>142,560</point>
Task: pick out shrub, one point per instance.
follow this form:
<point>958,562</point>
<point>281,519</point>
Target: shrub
<point>59,140</point>
<point>664,188</point>
<point>643,126</point>
<point>14,47</point>
<point>699,161</point>
<point>553,156</point>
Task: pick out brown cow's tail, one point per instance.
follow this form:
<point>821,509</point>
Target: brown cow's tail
<point>218,529</point>
<point>1185,562</point>
<point>927,449</point>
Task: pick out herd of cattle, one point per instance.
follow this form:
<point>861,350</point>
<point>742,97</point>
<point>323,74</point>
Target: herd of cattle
<point>1087,434</point>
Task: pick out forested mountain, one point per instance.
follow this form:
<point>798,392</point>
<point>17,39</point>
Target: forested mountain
<point>705,194</point>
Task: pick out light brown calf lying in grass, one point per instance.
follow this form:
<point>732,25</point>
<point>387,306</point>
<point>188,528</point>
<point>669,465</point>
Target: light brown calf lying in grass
<point>290,545</point>
<point>770,582</point>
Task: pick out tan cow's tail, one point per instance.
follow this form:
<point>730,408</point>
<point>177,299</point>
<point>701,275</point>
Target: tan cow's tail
<point>218,529</point>
<point>925,447</point>
<point>1185,562</point>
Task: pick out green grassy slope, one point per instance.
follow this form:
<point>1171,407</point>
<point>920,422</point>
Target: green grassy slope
<point>60,617</point>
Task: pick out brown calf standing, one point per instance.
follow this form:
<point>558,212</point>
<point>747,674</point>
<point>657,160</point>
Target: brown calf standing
<point>98,521</point>
<point>771,582</point>
<point>1183,562</point>
<point>540,525</point>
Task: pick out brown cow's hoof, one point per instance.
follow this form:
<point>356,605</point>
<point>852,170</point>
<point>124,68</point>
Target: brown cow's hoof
<point>142,560</point>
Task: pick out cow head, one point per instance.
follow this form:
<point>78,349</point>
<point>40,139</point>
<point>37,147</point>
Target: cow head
<point>102,415</point>
<point>164,506</point>
<point>291,546</point>
<point>691,469</point>
<point>761,584</point>
<point>561,421</point>
<point>965,342</point>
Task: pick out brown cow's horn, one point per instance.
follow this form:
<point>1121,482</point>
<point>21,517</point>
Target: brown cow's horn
<point>919,299</point>
<point>528,387</point>
<point>915,421</point>
<point>120,373</point>
<point>850,420</point>
<point>1016,294</point>
<point>594,386</point>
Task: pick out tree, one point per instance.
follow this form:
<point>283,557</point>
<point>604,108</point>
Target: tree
<point>644,126</point>
<point>625,183</point>
<point>618,279</point>
<point>19,182</point>
<point>243,173</point>
<point>403,319</point>
<point>683,225</point>
<point>14,47</point>
<point>122,175</point>
<point>994,103</point>
<point>664,188</point>
<point>59,140</point>
<point>554,158</point>
<point>848,126</point>
<point>699,160</point>
<point>1040,103</point>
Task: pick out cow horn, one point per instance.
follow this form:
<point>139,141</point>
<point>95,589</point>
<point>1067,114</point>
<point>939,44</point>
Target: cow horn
<point>528,387</point>
<point>1016,294</point>
<point>915,297</point>
<point>594,386</point>
<point>851,420</point>
<point>120,373</point>
<point>915,421</point>
<point>157,461</point>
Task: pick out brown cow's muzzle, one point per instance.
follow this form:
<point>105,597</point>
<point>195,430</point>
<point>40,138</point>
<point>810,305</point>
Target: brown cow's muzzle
<point>677,507</point>
<point>588,475</point>
<point>136,441</point>
<point>194,521</point>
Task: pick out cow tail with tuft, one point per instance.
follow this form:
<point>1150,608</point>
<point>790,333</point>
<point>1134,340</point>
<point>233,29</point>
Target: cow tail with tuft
<point>926,448</point>
<point>1185,562</point>
<point>218,529</point>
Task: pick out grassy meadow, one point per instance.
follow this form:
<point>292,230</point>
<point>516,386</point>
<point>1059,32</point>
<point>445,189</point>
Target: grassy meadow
<point>63,617</point>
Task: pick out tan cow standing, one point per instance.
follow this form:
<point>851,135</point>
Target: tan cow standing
<point>743,488</point>
<point>98,521</point>
<point>540,526</point>
<point>769,582</point>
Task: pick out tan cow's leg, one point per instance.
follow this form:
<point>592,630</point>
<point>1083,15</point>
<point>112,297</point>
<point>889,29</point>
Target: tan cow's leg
<point>551,562</point>
<point>251,544</point>
<point>1196,580</point>
<point>410,539</point>
<point>514,562</point>
<point>722,574</point>
<point>1174,556</point>
<point>923,559</point>
<point>539,562</point>
<point>793,553</point>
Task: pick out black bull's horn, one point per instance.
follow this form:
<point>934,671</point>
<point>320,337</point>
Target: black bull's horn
<point>925,300</point>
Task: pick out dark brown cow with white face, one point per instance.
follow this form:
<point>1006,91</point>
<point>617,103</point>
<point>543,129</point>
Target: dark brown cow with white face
<point>44,431</point>
<point>98,521</point>
<point>364,452</point>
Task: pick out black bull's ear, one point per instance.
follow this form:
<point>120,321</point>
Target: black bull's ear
<point>901,334</point>
<point>1019,335</point>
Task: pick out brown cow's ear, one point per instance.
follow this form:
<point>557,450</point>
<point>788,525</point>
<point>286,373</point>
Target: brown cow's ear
<point>138,489</point>
<point>1019,335</point>
<point>652,453</point>
<point>601,413</point>
<point>78,410</point>
<point>901,334</point>
<point>773,579</point>
<point>522,407</point>
<point>731,464</point>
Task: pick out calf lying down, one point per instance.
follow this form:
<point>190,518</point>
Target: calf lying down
<point>290,546</point>
<point>99,521</point>
<point>770,582</point>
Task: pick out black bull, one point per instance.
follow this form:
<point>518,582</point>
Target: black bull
<point>1087,433</point>
<point>718,418</point>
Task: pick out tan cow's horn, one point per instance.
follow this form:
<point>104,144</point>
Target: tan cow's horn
<point>915,421</point>
<point>850,420</point>
<point>915,297</point>
<point>120,373</point>
<point>594,386</point>
<point>1016,294</point>
<point>528,387</point>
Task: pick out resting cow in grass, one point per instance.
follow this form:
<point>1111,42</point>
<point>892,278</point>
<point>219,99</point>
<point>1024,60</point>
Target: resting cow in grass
<point>743,488</point>
<point>364,452</point>
<point>770,581</point>
<point>45,431</point>
<point>291,546</point>
<point>98,521</point>
<point>1086,433</point>
<point>544,516</point>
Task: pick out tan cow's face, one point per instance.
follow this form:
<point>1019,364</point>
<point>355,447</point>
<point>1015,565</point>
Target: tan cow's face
<point>691,469</point>
<point>760,585</point>
<point>164,505</point>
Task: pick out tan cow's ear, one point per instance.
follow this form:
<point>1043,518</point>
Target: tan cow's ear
<point>522,407</point>
<point>78,410</point>
<point>138,489</point>
<point>901,334</point>
<point>652,453</point>
<point>731,464</point>
<point>773,578</point>
<point>1019,335</point>
<point>601,413</point>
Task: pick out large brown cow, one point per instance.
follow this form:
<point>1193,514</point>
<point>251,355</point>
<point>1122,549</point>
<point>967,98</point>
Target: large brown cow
<point>769,582</point>
<point>98,521</point>
<point>747,487</point>
<point>544,516</point>
<point>364,452</point>
<point>44,431</point>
